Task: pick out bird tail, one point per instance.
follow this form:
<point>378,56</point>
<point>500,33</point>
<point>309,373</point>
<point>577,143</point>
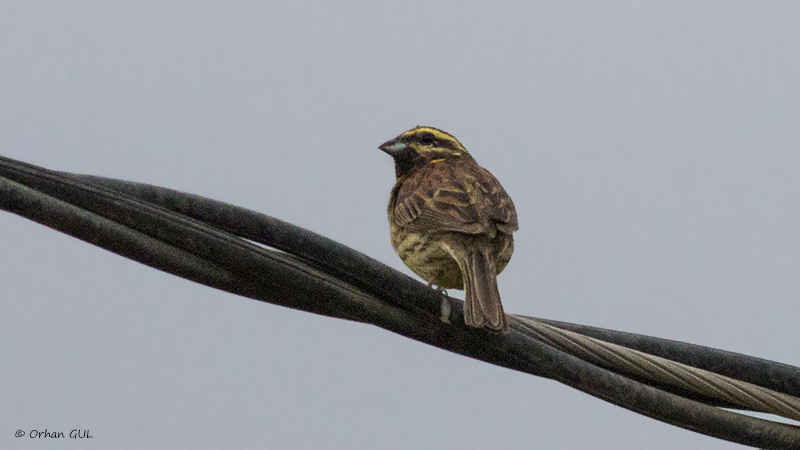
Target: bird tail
<point>482,307</point>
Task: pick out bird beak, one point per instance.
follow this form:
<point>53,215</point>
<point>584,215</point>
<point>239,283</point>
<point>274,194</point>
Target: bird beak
<point>393,147</point>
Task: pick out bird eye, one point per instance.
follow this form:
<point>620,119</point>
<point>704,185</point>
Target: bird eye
<point>426,139</point>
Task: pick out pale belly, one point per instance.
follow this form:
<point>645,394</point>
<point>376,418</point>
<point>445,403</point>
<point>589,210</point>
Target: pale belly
<point>427,258</point>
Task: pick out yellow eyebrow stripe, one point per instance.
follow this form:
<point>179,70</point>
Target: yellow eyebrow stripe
<point>445,140</point>
<point>437,160</point>
<point>437,133</point>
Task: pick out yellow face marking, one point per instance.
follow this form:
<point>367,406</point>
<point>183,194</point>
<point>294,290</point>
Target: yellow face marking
<point>437,133</point>
<point>437,160</point>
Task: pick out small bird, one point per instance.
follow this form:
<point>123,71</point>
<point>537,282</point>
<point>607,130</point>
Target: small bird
<point>451,221</point>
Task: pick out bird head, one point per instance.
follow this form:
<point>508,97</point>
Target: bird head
<point>421,146</point>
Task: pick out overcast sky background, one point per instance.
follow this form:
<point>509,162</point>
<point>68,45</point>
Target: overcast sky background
<point>651,149</point>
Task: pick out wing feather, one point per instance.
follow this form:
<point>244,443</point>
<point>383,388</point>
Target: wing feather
<point>453,197</point>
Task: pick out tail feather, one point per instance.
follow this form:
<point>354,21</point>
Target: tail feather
<point>482,307</point>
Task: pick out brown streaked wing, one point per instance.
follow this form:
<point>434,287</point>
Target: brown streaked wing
<point>498,204</point>
<point>439,198</point>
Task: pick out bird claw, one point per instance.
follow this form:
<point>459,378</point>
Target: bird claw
<point>438,288</point>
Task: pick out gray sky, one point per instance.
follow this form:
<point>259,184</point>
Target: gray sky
<point>651,149</point>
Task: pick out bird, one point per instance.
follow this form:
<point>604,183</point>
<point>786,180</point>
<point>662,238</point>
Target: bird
<point>450,220</point>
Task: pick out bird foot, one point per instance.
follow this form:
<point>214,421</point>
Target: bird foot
<point>445,305</point>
